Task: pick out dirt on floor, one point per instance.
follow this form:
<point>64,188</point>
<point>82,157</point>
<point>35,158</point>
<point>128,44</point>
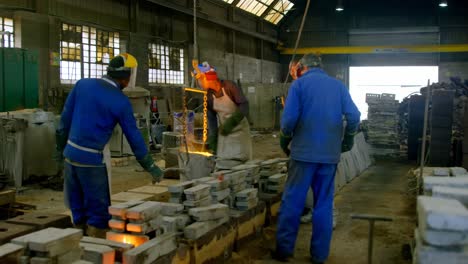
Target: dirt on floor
<point>381,190</point>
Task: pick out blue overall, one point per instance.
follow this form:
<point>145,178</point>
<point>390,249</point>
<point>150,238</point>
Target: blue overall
<point>313,116</point>
<point>92,110</point>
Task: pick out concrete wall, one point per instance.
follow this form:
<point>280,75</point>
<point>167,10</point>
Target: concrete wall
<point>333,29</point>
<point>38,23</point>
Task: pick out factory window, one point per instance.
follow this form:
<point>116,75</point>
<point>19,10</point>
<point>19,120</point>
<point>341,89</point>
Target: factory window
<point>256,7</point>
<point>85,52</point>
<point>166,63</point>
<point>278,11</point>
<point>7,32</point>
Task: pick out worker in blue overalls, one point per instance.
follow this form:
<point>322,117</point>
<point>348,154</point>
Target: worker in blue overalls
<point>92,110</point>
<point>312,123</point>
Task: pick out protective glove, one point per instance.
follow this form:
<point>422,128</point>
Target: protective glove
<point>284,143</point>
<point>213,143</point>
<point>147,163</point>
<point>348,142</point>
<point>230,123</point>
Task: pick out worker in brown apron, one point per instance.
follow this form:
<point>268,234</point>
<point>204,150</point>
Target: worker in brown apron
<point>228,108</point>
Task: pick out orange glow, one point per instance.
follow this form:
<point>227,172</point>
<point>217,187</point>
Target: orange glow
<point>135,240</point>
<point>206,154</point>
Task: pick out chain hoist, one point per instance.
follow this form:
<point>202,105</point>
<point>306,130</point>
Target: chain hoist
<point>205,112</point>
<point>205,119</point>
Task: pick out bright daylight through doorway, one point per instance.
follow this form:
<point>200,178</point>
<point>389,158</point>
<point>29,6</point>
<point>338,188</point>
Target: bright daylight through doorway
<point>399,80</point>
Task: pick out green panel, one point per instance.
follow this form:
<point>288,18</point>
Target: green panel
<point>2,90</point>
<point>31,78</point>
<point>13,79</point>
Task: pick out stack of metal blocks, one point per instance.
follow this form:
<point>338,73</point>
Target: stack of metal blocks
<point>383,124</point>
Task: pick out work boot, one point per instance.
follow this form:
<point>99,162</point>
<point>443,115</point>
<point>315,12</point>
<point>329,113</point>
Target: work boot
<point>315,262</point>
<point>96,232</point>
<point>307,218</point>
<point>82,227</point>
<point>281,257</point>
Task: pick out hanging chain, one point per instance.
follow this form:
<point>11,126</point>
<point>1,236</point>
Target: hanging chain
<point>184,123</point>
<point>205,119</point>
<point>184,113</point>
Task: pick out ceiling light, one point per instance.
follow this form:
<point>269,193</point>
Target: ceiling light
<point>443,3</point>
<point>339,6</point>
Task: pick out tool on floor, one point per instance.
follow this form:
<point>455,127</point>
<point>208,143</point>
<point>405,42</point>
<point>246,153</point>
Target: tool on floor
<point>372,219</point>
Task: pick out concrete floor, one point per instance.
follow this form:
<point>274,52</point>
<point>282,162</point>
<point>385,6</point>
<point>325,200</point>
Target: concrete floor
<point>381,190</point>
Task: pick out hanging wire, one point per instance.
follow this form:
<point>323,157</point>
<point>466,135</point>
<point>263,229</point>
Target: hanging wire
<point>298,39</point>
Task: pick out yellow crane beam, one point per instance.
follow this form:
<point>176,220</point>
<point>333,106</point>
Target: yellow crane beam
<point>379,49</point>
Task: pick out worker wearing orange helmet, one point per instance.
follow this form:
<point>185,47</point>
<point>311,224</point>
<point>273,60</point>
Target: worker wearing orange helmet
<point>311,135</point>
<point>92,110</point>
<point>228,108</point>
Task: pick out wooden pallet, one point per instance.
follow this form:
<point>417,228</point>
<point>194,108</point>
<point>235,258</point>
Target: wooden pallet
<point>273,203</point>
<point>214,247</point>
<point>249,224</point>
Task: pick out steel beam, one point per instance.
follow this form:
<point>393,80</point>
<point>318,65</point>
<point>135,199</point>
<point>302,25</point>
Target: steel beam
<point>217,21</point>
<point>379,49</point>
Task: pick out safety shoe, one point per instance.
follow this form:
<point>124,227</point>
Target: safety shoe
<point>281,257</point>
<point>307,218</point>
<point>315,262</point>
<point>96,232</point>
<point>83,227</point>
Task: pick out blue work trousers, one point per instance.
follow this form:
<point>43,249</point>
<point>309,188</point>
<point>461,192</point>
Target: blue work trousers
<point>302,176</point>
<point>87,194</point>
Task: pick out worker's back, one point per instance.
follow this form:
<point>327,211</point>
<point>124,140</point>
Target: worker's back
<point>314,115</point>
<point>97,105</point>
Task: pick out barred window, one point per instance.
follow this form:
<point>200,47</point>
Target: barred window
<point>165,63</point>
<point>7,32</point>
<point>256,7</point>
<point>85,52</point>
<point>279,10</point>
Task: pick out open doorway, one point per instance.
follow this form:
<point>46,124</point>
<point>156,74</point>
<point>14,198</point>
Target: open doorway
<point>397,80</point>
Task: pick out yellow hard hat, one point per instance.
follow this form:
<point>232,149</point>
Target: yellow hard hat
<point>122,62</point>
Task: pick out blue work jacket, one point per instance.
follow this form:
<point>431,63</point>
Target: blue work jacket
<point>91,112</point>
<point>313,116</point>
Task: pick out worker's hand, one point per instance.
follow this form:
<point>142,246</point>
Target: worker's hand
<point>156,173</point>
<point>147,163</point>
<point>348,142</point>
<point>284,143</point>
<point>229,124</point>
<point>58,157</point>
<point>60,142</point>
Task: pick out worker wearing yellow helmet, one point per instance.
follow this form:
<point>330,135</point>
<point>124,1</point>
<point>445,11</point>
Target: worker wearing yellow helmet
<point>92,110</point>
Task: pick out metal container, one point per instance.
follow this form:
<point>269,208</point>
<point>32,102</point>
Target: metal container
<point>140,100</point>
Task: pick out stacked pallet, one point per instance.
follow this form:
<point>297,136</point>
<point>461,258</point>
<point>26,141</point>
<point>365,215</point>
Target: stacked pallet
<point>383,124</point>
<point>415,125</point>
<point>440,146</point>
<point>465,140</point>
